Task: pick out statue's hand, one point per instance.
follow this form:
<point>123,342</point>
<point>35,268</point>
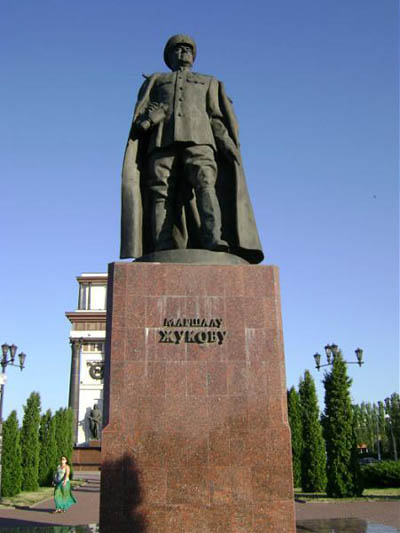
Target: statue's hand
<point>224,141</point>
<point>229,149</point>
<point>156,112</point>
<point>145,125</point>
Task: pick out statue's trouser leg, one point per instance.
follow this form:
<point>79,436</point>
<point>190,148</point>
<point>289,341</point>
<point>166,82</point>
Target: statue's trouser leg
<point>162,186</point>
<point>200,168</point>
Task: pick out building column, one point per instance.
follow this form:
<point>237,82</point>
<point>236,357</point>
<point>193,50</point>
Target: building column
<point>74,382</point>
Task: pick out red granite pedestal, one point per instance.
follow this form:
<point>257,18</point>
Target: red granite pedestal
<point>197,436</point>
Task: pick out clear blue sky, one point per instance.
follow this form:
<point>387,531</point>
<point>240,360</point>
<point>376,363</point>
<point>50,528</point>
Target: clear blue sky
<point>315,88</point>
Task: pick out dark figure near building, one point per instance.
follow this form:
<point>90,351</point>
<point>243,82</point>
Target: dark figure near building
<point>95,418</point>
<point>183,184</point>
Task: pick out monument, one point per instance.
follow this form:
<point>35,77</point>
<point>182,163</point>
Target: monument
<point>196,436</point>
<point>95,419</point>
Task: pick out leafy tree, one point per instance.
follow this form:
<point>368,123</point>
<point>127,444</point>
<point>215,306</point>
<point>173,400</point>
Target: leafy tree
<point>379,423</point>
<point>11,457</point>
<point>359,424</point>
<point>313,462</point>
<point>372,428</point>
<point>48,449</point>
<point>30,443</point>
<point>343,470</point>
<point>392,424</point>
<point>294,412</point>
<point>383,435</point>
<point>368,427</point>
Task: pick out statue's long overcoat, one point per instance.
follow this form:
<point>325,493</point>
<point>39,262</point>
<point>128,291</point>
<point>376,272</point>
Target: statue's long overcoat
<point>238,223</point>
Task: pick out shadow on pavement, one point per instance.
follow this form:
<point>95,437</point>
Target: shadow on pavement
<point>88,488</point>
<point>30,509</point>
<point>15,525</point>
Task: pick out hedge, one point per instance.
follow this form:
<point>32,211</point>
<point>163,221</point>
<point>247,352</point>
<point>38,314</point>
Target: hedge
<point>382,474</point>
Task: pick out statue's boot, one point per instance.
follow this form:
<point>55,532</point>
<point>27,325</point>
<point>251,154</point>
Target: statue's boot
<point>210,217</point>
<point>162,224</point>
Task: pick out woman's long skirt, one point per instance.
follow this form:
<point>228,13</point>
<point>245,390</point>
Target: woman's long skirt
<point>63,497</point>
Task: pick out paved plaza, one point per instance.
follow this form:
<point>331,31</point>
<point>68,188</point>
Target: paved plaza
<point>87,510</point>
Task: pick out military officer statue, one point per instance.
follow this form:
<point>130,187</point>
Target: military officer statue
<point>183,183</point>
<point>95,418</point>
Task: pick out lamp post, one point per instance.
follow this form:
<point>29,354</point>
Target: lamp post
<point>331,351</point>
<point>8,358</point>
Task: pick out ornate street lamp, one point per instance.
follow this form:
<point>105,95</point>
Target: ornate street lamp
<point>7,359</point>
<point>331,351</point>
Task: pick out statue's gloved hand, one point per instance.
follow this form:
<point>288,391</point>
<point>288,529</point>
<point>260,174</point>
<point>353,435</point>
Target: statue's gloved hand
<point>155,113</point>
<point>229,149</point>
<point>224,141</point>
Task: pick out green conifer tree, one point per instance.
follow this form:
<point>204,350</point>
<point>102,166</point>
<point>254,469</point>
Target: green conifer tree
<point>30,443</point>
<point>11,457</point>
<point>343,471</point>
<point>294,412</point>
<point>60,433</point>
<point>64,433</point>
<point>48,449</point>
<point>313,462</point>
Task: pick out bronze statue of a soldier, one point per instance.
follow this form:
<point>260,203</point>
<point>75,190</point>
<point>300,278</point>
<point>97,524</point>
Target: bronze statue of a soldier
<point>183,184</point>
<point>95,419</point>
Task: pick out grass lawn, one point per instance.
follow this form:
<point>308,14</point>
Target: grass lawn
<point>369,495</point>
<point>27,499</point>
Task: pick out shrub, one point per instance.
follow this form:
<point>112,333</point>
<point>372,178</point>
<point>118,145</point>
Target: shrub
<point>381,475</point>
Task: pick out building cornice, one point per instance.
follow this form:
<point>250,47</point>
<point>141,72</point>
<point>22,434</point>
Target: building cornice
<point>86,316</point>
<point>85,278</point>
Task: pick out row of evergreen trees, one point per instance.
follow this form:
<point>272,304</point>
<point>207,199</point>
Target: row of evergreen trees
<point>325,455</point>
<point>32,452</point>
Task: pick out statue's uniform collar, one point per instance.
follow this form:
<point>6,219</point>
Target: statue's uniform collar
<point>188,74</point>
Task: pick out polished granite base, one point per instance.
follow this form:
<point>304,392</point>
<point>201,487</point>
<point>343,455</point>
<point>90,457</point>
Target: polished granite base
<point>195,436</point>
<point>336,525</point>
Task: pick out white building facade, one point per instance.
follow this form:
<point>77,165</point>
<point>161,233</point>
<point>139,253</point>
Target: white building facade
<point>87,338</point>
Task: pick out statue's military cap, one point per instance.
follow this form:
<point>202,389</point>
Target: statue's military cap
<point>178,39</point>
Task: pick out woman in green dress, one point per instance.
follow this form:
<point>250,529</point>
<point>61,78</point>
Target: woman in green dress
<point>63,497</point>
